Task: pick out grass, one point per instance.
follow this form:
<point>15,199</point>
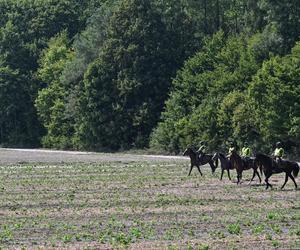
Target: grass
<point>234,228</point>
<point>141,206</point>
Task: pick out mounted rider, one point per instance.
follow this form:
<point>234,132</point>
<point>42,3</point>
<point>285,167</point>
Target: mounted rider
<point>231,149</point>
<point>246,153</point>
<point>278,153</point>
<point>202,149</point>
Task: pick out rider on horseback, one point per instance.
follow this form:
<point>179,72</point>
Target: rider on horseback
<point>202,149</point>
<point>246,153</point>
<point>278,153</point>
<point>231,148</point>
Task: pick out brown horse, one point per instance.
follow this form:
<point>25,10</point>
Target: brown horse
<point>225,164</point>
<point>199,161</point>
<point>243,164</point>
<point>270,167</point>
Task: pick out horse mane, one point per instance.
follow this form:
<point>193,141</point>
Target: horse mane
<point>261,154</point>
<point>221,154</point>
<point>192,149</point>
<point>264,157</point>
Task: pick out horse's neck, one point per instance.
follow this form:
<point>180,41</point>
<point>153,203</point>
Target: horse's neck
<point>267,160</point>
<point>237,159</point>
<point>223,159</point>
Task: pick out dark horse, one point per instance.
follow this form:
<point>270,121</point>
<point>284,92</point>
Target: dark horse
<point>269,167</point>
<point>225,163</point>
<point>241,164</point>
<point>199,161</point>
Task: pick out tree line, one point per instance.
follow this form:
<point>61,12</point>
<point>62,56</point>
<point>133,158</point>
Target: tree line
<point>114,75</point>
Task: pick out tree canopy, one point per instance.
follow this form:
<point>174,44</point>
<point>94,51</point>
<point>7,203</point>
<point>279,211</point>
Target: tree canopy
<point>113,75</point>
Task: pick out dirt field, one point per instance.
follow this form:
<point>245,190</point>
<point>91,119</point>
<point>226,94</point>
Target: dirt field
<point>81,200</point>
<point>21,156</point>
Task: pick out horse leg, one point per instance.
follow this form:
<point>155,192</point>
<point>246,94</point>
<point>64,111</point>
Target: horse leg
<point>222,174</point>
<point>293,179</point>
<point>267,181</point>
<point>260,169</point>
<point>285,181</point>
<point>212,166</point>
<point>258,175</point>
<point>199,170</point>
<point>228,172</point>
<point>267,185</point>
<point>241,175</point>
<point>238,178</point>
<point>254,172</point>
<point>190,170</point>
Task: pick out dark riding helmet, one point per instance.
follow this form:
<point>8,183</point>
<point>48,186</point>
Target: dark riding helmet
<point>278,144</point>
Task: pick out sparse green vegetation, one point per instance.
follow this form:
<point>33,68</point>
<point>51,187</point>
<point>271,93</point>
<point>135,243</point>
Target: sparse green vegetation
<point>234,228</point>
<point>139,206</point>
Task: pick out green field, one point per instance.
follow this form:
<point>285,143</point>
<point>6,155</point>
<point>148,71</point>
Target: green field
<point>142,206</point>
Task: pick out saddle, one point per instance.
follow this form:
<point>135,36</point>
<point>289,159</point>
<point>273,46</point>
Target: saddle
<point>278,162</point>
<point>203,158</point>
<point>248,161</point>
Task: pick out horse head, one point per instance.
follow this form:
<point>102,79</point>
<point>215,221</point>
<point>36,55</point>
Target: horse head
<point>235,159</point>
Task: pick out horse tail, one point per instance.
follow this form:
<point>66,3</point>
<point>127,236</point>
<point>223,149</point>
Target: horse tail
<point>296,170</point>
<point>260,169</point>
<point>258,164</point>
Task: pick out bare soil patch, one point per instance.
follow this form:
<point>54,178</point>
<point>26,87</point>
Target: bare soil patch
<point>137,202</point>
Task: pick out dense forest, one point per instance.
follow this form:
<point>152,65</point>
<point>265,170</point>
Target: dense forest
<point>116,75</point>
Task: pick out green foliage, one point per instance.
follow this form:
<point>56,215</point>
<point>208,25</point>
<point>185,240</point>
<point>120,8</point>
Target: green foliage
<point>99,127</point>
<point>125,88</point>
<point>234,228</point>
<point>50,102</point>
<point>187,93</point>
<point>87,44</point>
<point>236,118</point>
<point>229,95</point>
<point>206,93</point>
<point>104,83</point>
<point>17,117</point>
<point>258,229</point>
<point>285,16</point>
<point>25,28</point>
<point>275,92</point>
